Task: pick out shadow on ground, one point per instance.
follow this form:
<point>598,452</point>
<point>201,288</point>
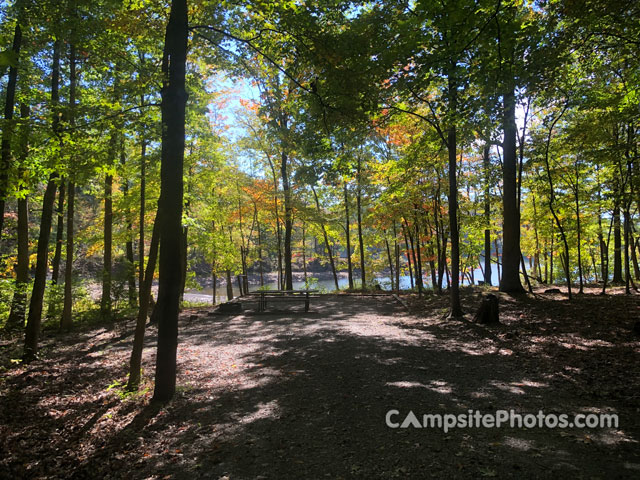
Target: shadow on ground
<point>294,395</point>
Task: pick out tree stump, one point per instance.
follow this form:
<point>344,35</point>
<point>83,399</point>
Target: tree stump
<point>553,290</point>
<point>488,312</point>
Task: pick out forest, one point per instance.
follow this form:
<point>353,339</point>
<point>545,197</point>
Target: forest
<point>160,158</point>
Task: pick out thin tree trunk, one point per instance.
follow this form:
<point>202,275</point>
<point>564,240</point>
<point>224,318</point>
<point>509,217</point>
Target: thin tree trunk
<point>551,206</point>
<point>396,251</point>
<point>288,222</point>
<point>130,261</point>
<point>57,255</point>
<point>326,240</point>
<point>551,255</point>
<point>359,212</point>
<point>135,362</point>
<point>348,236</point>
<point>408,254</point>
<point>105,302</point>
<point>487,215</point>
<point>495,244</point>
<point>418,258</point>
<point>19,302</point>
<point>456,309</point>
<point>67,321</point>
<point>627,265</point>
<point>386,242</point>
<point>617,246</point>
<point>143,199</point>
<point>304,254</point>
<point>579,229</point>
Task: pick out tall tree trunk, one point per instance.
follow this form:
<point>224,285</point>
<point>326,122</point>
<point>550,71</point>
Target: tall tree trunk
<point>627,265</point>
<point>326,240</point>
<point>576,198</point>
<point>130,260</point>
<point>348,235</point>
<point>552,205</point>
<point>135,362</point>
<point>34,318</point>
<point>143,199</point>
<point>261,262</point>
<point>396,251</point>
<point>288,222</point>
<point>537,267</point>
<point>360,238</point>
<point>184,243</point>
<point>277,219</point>
<point>7,130</point>
<point>105,302</point>
<point>511,215</point>
<point>19,302</point>
<point>418,256</point>
<point>486,163</point>
<point>66,321</point>
<point>617,246</point>
<point>304,254</point>
<point>174,99</point>
<point>407,247</point>
<point>386,243</point>
<point>551,255</point>
<point>57,255</point>
<point>456,309</point>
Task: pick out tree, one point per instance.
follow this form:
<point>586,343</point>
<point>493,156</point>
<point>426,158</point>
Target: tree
<point>174,99</point>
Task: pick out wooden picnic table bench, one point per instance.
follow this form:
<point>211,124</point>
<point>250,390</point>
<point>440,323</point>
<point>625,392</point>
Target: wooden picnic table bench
<point>277,295</point>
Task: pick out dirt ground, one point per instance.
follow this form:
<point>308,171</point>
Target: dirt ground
<point>294,395</point>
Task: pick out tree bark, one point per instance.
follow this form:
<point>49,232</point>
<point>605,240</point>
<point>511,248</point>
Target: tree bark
<point>511,215</point>
<point>617,246</point>
<point>486,164</point>
<point>456,309</point>
<point>57,255</point>
<point>107,232</point>
<point>34,318</point>
<point>174,99</point>
<point>130,260</point>
<point>326,240</point>
<point>229,285</point>
<point>348,236</point>
<point>135,362</point>
<point>66,321</point>
<point>288,222</point>
<point>37,293</point>
<point>19,302</point>
<point>360,238</point>
<point>143,199</point>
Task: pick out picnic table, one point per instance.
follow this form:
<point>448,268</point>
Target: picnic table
<point>279,295</point>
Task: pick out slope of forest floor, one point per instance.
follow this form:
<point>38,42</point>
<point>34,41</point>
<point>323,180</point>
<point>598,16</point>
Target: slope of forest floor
<point>294,395</point>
